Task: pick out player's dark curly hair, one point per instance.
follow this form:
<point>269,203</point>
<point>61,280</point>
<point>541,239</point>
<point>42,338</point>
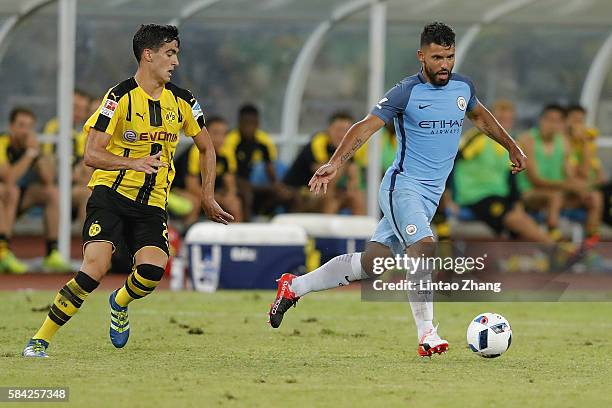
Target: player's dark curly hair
<point>575,108</point>
<point>20,110</point>
<point>211,120</point>
<point>153,36</point>
<point>248,109</point>
<point>438,33</point>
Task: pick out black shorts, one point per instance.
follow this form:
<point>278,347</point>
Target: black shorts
<point>492,210</point>
<point>114,218</point>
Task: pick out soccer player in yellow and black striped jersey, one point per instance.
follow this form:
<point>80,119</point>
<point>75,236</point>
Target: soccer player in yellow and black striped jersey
<point>131,143</point>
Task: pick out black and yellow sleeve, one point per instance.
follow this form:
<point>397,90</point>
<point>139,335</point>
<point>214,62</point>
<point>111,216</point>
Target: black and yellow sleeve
<point>318,147</point>
<point>114,107</point>
<point>190,110</point>
<point>4,144</point>
<point>265,139</point>
<point>193,161</point>
<point>471,144</point>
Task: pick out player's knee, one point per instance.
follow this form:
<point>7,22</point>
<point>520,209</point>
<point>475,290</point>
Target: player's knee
<point>367,263</point>
<point>51,193</point>
<point>594,200</point>
<point>555,198</point>
<point>150,272</point>
<point>13,193</point>
<point>373,259</point>
<point>95,266</point>
<point>423,247</point>
<point>514,216</point>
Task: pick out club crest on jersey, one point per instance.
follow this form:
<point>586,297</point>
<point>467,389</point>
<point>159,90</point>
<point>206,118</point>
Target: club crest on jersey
<point>461,103</point>
<point>170,116</point>
<point>130,136</point>
<point>411,229</point>
<point>109,107</point>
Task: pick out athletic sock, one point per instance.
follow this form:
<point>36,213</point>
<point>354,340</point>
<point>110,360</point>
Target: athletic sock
<point>421,302</point>
<point>555,233</point>
<point>142,281</point>
<point>339,271</point>
<point>66,304</point>
<point>4,246</point>
<point>51,245</point>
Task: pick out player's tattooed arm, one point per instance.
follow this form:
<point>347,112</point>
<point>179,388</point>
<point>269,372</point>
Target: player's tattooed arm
<point>486,122</point>
<point>347,156</point>
<point>356,136</point>
<point>98,157</point>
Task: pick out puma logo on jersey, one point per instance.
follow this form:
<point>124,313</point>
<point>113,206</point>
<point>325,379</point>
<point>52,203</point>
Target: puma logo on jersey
<point>140,115</point>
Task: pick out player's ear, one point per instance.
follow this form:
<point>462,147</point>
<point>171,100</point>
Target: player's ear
<point>420,56</point>
<point>146,55</point>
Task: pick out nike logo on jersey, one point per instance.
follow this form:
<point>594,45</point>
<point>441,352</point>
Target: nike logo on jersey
<point>383,100</point>
<point>140,115</point>
<point>424,106</point>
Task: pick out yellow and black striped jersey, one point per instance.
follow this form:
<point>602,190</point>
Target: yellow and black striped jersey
<point>8,153</point>
<point>249,152</point>
<point>78,141</point>
<point>140,126</point>
<point>226,164</point>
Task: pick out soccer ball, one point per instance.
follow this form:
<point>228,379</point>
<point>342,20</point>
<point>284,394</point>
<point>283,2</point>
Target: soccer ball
<point>489,335</point>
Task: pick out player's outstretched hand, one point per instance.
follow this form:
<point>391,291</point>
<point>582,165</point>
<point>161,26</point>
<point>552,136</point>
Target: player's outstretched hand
<point>322,177</point>
<point>215,213</point>
<point>518,159</point>
<point>148,164</point>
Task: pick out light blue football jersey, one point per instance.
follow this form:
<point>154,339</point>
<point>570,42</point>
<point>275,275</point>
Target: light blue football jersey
<point>428,122</point>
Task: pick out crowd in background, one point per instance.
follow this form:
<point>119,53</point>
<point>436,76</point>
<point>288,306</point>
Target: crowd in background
<point>563,172</point>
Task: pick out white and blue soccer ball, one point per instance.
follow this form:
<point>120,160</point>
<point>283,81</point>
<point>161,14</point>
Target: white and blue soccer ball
<point>489,335</point>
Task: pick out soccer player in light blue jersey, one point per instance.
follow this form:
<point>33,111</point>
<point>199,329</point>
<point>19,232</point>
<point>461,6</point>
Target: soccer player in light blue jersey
<point>428,111</point>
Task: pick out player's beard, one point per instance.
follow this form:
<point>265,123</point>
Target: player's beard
<point>433,78</point>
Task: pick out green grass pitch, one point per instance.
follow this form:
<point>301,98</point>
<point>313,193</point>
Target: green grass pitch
<point>209,350</point>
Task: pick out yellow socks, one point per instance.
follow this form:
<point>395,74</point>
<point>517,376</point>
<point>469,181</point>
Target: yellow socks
<point>66,304</point>
<point>139,284</point>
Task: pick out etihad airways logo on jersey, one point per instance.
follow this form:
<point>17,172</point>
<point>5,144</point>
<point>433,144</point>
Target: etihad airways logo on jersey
<point>442,126</point>
<point>160,136</point>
